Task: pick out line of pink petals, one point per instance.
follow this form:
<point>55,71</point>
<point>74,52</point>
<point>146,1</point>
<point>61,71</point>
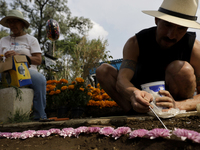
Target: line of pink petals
<point>107,131</point>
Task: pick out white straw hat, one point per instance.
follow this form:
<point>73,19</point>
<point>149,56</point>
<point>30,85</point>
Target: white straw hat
<point>14,14</point>
<point>181,12</point>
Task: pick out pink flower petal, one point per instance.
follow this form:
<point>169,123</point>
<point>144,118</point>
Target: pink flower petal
<point>138,133</point>
<point>67,132</point>
<point>197,139</point>
<point>6,134</point>
<point>158,133</point>
<point>16,135</point>
<point>80,130</point>
<point>28,134</point>
<point>106,131</point>
<point>120,131</point>
<point>42,133</point>
<point>187,134</point>
<point>54,131</point>
<point>93,129</point>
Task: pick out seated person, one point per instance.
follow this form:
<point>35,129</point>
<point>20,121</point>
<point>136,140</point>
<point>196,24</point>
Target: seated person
<point>19,42</point>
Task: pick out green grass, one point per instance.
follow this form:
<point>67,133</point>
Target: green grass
<point>19,117</point>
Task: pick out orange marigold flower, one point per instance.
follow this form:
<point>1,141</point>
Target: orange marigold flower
<point>52,93</point>
<point>97,90</point>
<point>102,91</point>
<point>98,85</point>
<point>99,97</point>
<point>102,104</point>
<point>63,81</point>
<point>94,95</point>
<point>82,89</point>
<point>49,82</point>
<point>79,80</point>
<point>53,81</point>
<point>71,87</point>
<point>57,91</point>
<point>48,86</point>
<point>91,88</point>
<point>89,93</point>
<point>52,87</point>
<point>105,96</point>
<point>63,88</point>
<point>73,82</point>
<point>89,85</point>
<point>58,82</point>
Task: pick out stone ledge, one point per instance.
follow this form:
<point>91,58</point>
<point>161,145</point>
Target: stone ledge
<point>101,122</point>
<point>10,103</point>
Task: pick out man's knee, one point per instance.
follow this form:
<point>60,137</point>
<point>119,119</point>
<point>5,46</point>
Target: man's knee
<point>180,69</point>
<point>180,79</point>
<point>177,66</point>
<point>102,70</point>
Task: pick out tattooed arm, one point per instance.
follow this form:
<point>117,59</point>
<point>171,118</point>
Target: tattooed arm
<point>126,72</point>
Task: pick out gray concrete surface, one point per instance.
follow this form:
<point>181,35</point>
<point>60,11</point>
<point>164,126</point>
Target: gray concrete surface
<point>9,103</point>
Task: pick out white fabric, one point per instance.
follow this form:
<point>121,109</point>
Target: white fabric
<point>25,44</point>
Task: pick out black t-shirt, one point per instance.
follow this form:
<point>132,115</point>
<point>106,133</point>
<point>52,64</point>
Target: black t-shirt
<point>153,61</point>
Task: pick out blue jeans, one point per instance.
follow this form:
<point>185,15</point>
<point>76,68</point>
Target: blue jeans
<point>39,100</point>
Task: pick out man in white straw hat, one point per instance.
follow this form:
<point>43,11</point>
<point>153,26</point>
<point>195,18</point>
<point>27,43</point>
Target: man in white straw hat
<point>166,52</point>
<point>21,43</point>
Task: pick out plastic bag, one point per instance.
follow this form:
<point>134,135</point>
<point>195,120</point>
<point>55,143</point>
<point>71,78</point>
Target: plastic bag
<point>158,110</point>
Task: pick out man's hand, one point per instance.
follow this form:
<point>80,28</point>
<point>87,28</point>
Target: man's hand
<point>10,53</point>
<point>140,101</point>
<point>166,101</point>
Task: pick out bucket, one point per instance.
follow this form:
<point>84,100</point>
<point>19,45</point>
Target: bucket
<point>153,86</point>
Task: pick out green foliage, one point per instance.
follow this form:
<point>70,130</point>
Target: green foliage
<point>77,55</point>
<point>87,55</point>
<point>81,55</point>
<point>67,45</point>
<point>3,33</point>
<point>4,8</point>
<point>40,11</point>
<point>19,116</point>
<point>79,95</point>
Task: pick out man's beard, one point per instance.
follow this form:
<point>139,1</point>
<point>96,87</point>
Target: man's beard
<point>171,41</point>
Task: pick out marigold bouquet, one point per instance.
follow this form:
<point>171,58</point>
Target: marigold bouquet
<point>62,93</point>
<point>57,94</point>
<point>100,98</point>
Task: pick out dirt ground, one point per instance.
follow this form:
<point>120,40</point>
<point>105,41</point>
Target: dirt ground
<point>100,142</point>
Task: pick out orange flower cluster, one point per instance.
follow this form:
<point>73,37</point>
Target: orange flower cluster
<point>79,80</point>
<point>64,88</point>
<point>62,92</point>
<point>53,84</point>
<point>101,104</point>
<point>98,97</point>
<point>98,94</point>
